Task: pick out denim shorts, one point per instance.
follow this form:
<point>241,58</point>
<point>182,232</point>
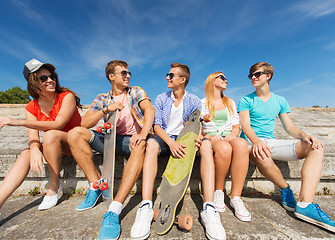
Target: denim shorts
<point>122,143</point>
<point>164,149</point>
<point>282,149</point>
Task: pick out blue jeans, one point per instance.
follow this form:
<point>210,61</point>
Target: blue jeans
<point>122,143</point>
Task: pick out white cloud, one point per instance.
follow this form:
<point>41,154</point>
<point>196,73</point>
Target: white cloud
<point>313,9</point>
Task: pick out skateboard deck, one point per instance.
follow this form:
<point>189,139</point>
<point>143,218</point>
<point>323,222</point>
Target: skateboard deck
<point>177,175</point>
<point>109,158</point>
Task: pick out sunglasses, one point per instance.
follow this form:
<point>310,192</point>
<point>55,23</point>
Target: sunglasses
<point>222,78</point>
<point>43,78</point>
<point>124,73</point>
<point>256,74</point>
<point>171,75</point>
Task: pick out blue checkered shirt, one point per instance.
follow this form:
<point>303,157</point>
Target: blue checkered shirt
<point>163,105</point>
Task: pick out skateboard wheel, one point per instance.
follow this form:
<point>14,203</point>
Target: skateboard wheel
<point>107,125</point>
<point>99,129</point>
<point>104,186</point>
<point>156,212</point>
<point>95,185</point>
<point>185,221</point>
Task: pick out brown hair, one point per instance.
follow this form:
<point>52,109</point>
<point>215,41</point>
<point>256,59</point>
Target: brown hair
<point>184,69</point>
<point>266,68</point>
<point>112,64</point>
<point>209,90</point>
<point>34,86</point>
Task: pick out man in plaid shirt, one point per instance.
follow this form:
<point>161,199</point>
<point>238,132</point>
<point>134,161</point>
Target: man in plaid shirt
<point>134,122</point>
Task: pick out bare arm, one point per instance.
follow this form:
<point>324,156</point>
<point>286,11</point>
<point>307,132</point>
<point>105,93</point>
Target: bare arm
<point>295,132</point>
<point>149,115</point>
<point>63,117</point>
<point>259,149</point>
<point>235,132</point>
<point>36,156</point>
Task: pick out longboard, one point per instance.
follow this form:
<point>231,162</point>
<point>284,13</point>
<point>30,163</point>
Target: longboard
<point>177,175</point>
<point>108,166</point>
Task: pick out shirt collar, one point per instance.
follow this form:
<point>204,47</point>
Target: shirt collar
<point>173,97</point>
<point>110,93</point>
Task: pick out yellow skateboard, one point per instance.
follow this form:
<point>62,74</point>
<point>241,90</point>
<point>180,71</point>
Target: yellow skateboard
<point>176,178</point>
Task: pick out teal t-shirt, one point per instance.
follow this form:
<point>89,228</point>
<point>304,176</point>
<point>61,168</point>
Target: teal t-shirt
<point>263,114</point>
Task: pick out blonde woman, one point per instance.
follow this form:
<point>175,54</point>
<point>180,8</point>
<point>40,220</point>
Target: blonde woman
<point>222,143</point>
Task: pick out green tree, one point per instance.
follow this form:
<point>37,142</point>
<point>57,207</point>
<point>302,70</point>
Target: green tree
<point>15,95</point>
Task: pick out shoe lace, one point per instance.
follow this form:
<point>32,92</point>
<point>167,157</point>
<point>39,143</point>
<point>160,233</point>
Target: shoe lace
<point>238,203</point>
<point>321,213</point>
<point>212,214</point>
<point>88,196</point>
<point>143,212</point>
<point>110,219</point>
<point>219,198</point>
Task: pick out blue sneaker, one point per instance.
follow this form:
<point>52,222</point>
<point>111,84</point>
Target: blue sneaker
<point>313,214</point>
<point>287,199</point>
<point>110,228</point>
<point>90,200</point>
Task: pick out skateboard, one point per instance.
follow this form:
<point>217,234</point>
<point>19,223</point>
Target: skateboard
<point>176,178</point>
<point>107,182</point>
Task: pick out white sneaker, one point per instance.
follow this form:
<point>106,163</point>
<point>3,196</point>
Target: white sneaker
<point>50,201</point>
<point>142,224</point>
<point>210,218</point>
<point>240,211</point>
<point>219,201</point>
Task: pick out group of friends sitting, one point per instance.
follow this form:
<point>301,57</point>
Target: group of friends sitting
<point>231,136</point>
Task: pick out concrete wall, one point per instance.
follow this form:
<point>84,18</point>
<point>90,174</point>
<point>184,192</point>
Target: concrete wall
<point>318,122</point>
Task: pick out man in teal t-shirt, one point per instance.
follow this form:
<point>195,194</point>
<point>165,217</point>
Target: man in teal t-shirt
<point>258,112</point>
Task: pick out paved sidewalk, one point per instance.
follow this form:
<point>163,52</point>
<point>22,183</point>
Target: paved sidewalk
<point>20,219</point>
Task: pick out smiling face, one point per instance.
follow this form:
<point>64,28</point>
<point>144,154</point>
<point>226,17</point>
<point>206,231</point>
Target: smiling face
<point>220,82</point>
<point>175,78</point>
<point>48,85</point>
<point>118,79</point>
<point>259,78</point>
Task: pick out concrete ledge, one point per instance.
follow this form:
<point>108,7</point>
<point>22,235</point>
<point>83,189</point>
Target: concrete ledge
<point>74,179</point>
<point>318,122</point>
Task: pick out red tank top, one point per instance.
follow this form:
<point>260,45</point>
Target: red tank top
<point>35,110</point>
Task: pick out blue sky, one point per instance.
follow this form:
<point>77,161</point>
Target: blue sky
<point>80,37</point>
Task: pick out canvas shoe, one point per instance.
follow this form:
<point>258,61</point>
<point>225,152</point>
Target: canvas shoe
<point>142,224</point>
<point>50,201</point>
<point>110,228</point>
<point>210,219</point>
<point>240,211</point>
<point>219,201</point>
<point>313,214</point>
<point>287,199</point>
<point>91,199</point>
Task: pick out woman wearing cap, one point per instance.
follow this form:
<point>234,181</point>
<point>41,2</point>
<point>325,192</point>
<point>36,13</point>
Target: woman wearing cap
<point>54,110</point>
<point>221,127</point>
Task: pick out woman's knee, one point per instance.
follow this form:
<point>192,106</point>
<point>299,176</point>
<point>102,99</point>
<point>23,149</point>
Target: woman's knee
<point>222,148</point>
<point>206,147</point>
<point>52,136</point>
<point>240,145</point>
<point>24,156</point>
